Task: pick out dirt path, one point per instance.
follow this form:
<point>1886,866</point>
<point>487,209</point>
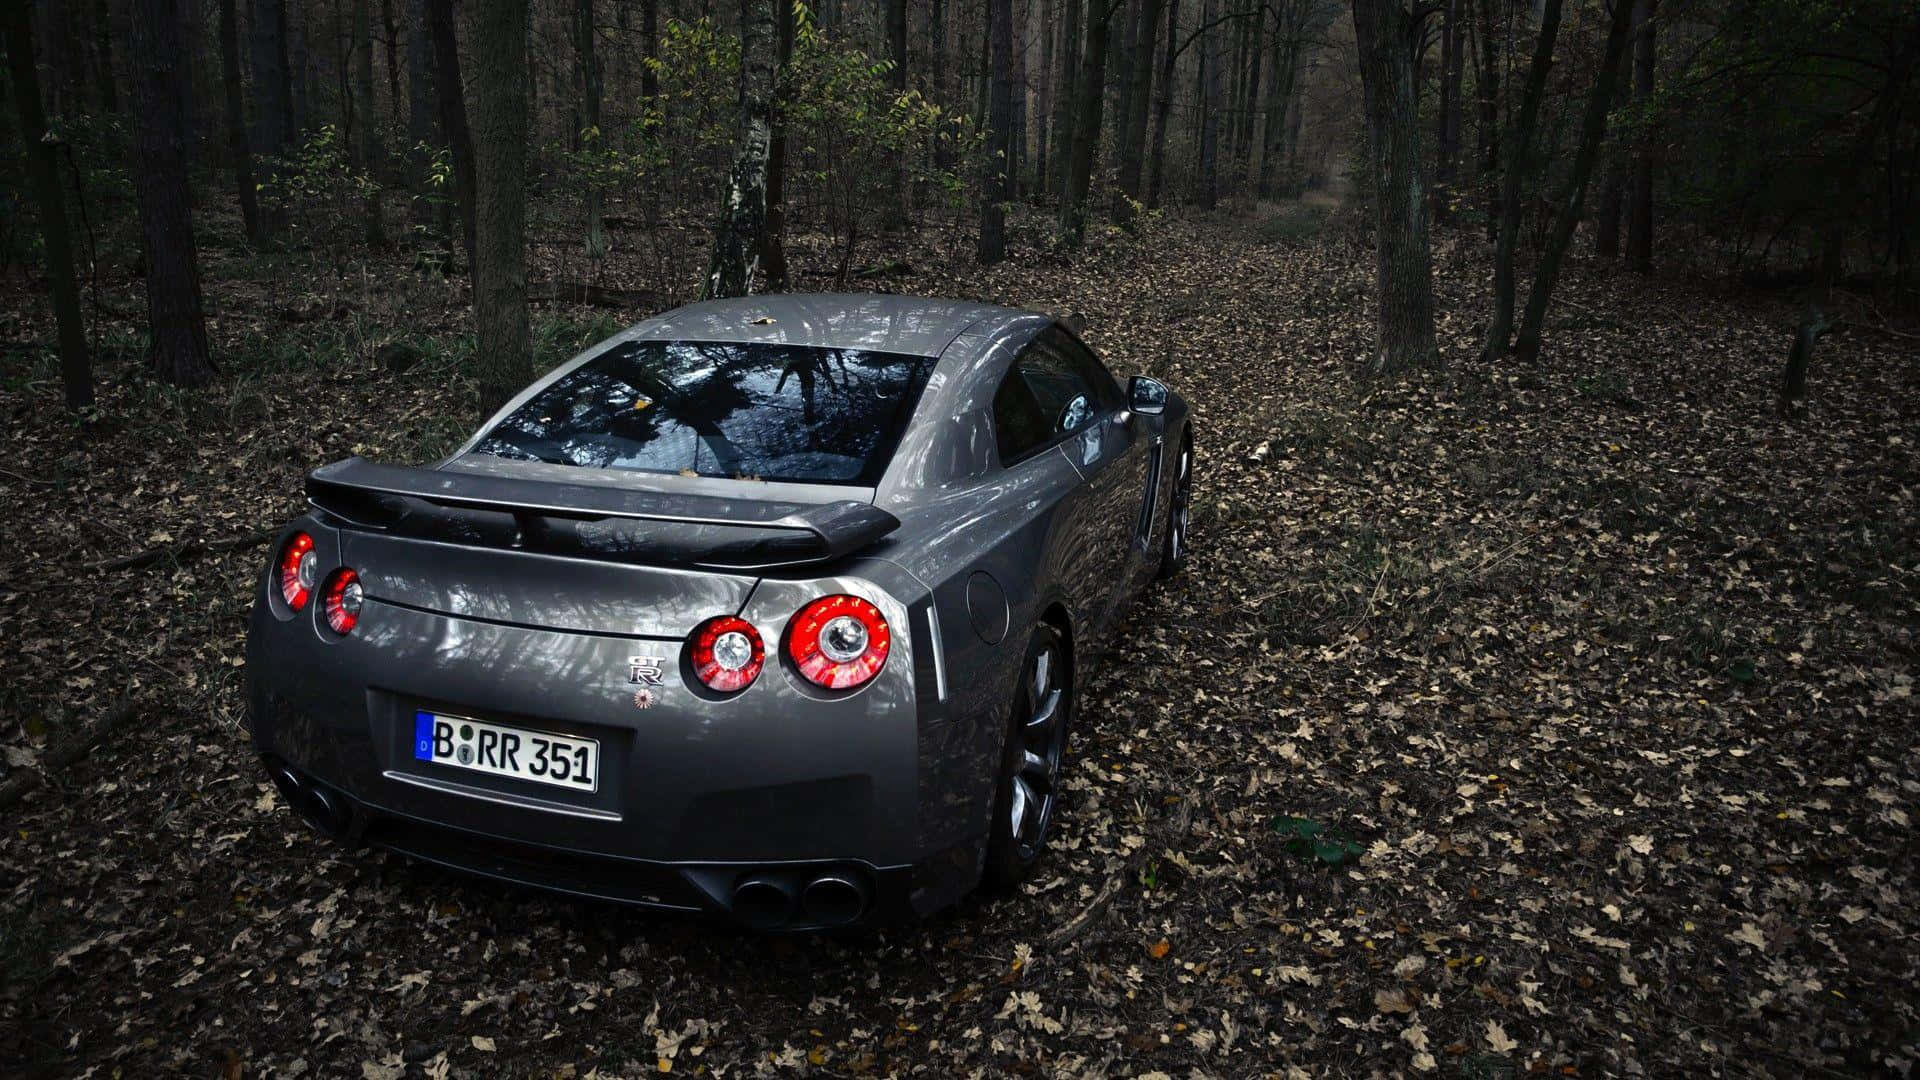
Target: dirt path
<point>1608,682</point>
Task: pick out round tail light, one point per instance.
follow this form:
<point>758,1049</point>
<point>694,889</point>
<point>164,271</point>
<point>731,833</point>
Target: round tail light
<point>839,642</point>
<point>299,570</point>
<point>341,604</point>
<point>727,654</point>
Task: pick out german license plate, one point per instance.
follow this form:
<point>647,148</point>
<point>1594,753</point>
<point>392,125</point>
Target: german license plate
<point>540,757</point>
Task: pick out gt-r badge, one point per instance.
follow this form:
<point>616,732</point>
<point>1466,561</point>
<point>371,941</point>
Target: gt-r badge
<point>644,671</point>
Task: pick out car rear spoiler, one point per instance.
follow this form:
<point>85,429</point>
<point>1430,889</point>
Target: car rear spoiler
<point>590,519</point>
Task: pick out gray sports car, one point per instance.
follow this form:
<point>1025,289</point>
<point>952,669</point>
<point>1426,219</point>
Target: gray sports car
<point>772,607</point>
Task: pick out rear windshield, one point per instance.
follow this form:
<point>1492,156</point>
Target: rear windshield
<point>764,412</point>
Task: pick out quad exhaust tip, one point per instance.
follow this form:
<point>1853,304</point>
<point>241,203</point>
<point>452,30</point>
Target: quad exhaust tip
<point>763,902</point>
<point>327,811</point>
<point>834,899</point>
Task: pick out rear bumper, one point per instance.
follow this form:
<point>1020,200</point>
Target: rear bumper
<point>787,895</point>
<point>778,787</point>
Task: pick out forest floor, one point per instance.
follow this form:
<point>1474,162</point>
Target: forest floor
<point>1605,671</point>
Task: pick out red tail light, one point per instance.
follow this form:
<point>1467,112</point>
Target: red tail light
<point>839,642</point>
<point>727,654</point>
<point>341,604</point>
<point>299,570</point>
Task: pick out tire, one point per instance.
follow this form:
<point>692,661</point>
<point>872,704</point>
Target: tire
<point>1026,797</point>
<point>1173,542</point>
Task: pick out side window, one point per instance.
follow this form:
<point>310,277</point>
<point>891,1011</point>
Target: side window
<point>1107,390</point>
<point>1054,389</point>
<point>1018,425</point>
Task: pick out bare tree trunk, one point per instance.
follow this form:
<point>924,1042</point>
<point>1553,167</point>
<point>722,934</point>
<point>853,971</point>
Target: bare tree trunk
<point>995,191</point>
<point>419,114</point>
<point>453,117</point>
<point>1519,140</point>
<point>1640,185</point>
<point>1133,116</point>
<point>1446,161</point>
<point>1486,83</point>
<point>103,42</point>
<point>237,121</point>
<point>43,163</point>
<point>1593,130</point>
<point>1243,139</point>
<point>503,349</point>
<point>175,315</point>
<point>1387,36</point>
<point>1043,98</point>
<point>1091,86</point>
<point>1163,108</point>
<point>897,79</point>
<point>1067,100</point>
<point>1017,102</point>
<point>743,211</point>
<point>650,94</point>
<point>393,61</point>
<point>588,60</point>
<point>273,120</point>
<point>367,145</point>
<point>1211,107</point>
<point>774,249</point>
<point>1286,52</point>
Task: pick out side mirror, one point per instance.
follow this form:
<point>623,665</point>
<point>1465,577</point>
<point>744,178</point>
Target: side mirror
<point>1146,396</point>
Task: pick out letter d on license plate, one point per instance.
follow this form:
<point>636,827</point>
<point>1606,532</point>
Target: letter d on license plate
<point>539,757</point>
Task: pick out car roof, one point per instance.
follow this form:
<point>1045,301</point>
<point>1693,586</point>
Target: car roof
<point>879,322</point>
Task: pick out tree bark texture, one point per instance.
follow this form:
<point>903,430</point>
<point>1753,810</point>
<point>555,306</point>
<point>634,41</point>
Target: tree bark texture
<point>1163,108</point>
<point>503,347</point>
<point>1212,104</point>
<point>773,251</point>
<point>175,315</point>
<point>76,373</point>
<point>419,112</point>
<point>1091,90</point>
<point>587,57</point>
<point>1387,36</point>
<point>453,115</point>
<point>1133,116</point>
<point>1518,145</point>
<point>1593,130</point>
<point>237,121</point>
<point>1066,97</point>
<point>1640,184</point>
<point>743,210</point>
<point>367,129</point>
<point>995,191</point>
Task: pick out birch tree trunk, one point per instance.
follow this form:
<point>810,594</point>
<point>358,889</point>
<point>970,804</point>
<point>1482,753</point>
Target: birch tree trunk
<point>503,347</point>
<point>1387,35</point>
<point>743,210</point>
